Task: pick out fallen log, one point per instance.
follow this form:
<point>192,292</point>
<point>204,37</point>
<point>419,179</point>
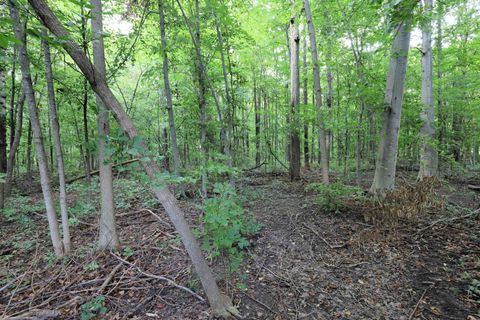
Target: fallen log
<point>474,188</point>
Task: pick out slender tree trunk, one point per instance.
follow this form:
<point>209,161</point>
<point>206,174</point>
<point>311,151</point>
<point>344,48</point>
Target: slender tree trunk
<point>306,153</point>
<point>257,123</point>
<point>55,127</point>
<point>428,152</point>
<point>229,109</point>
<point>29,149</point>
<point>318,94</point>
<point>438,43</point>
<point>12,96</point>
<point>387,150</point>
<point>15,144</point>
<point>88,166</point>
<point>3,126</point>
<point>221,304</point>
<point>294,101</point>
<point>107,236</point>
<point>168,94</point>
<point>37,131</point>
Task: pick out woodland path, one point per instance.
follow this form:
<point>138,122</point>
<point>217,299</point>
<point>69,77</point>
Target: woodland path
<point>306,264</point>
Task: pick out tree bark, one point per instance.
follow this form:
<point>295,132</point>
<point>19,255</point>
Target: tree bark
<point>221,304</point>
<point>88,165</point>
<point>257,122</point>
<point>294,101</point>
<point>3,126</point>
<point>55,126</point>
<point>428,152</point>
<point>168,94</point>
<point>318,95</point>
<point>107,236</point>
<point>36,129</point>
<point>15,144</point>
<point>306,153</point>
<point>387,149</point>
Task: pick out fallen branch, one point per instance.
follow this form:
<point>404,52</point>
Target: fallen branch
<point>418,303</point>
<point>168,280</point>
<point>250,169</point>
<point>93,173</point>
<point>109,278</point>
<point>36,315</point>
<point>474,188</point>
<point>275,156</point>
<point>323,239</point>
<point>447,220</point>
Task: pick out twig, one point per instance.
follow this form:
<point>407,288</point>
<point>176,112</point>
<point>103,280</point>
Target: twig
<point>168,280</point>
<point>36,315</point>
<point>109,278</point>
<point>450,219</point>
<point>418,303</point>
<point>323,239</point>
<point>259,302</point>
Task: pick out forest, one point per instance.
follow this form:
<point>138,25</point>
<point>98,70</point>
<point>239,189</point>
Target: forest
<point>240,159</point>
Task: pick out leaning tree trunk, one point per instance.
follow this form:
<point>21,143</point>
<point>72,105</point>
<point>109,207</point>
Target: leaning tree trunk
<point>57,143</point>
<point>107,235</point>
<point>221,304</point>
<point>36,129</point>
<point>387,149</point>
<point>318,94</point>
<point>294,101</point>
<point>428,152</point>
<point>168,94</point>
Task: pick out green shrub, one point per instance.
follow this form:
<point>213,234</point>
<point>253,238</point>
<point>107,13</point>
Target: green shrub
<point>226,225</point>
<point>336,196</point>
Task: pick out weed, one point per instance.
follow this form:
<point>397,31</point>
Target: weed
<point>226,225</point>
<point>335,197</point>
<point>93,309</point>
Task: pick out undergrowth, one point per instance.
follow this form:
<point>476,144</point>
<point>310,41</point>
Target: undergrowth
<point>226,225</point>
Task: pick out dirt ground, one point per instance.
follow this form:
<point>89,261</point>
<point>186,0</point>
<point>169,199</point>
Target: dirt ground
<point>303,264</point>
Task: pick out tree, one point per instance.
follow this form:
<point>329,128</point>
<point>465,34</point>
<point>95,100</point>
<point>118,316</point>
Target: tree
<point>36,130</point>
<point>3,126</point>
<point>52,108</point>
<point>107,237</point>
<point>428,152</point>
<point>221,304</point>
<point>168,94</point>
<point>387,150</point>
<point>294,101</point>
<point>317,94</point>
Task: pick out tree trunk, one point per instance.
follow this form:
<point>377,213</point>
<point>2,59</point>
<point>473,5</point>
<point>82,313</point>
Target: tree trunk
<point>221,304</point>
<point>3,126</point>
<point>57,143</point>
<point>306,153</point>
<point>257,122</point>
<point>318,95</point>
<point>107,236</point>
<point>294,101</point>
<point>37,131</point>
<point>387,149</point>
<point>15,144</point>
<point>88,166</point>
<point>168,94</point>
<point>428,152</point>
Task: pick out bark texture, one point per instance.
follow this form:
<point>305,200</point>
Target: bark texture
<point>52,108</point>
<point>318,94</point>
<point>36,130</point>
<point>428,151</point>
<point>294,101</point>
<point>107,236</point>
<point>387,149</point>
<point>221,304</point>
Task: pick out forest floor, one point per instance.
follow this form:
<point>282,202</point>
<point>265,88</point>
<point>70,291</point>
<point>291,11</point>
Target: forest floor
<point>303,264</point>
